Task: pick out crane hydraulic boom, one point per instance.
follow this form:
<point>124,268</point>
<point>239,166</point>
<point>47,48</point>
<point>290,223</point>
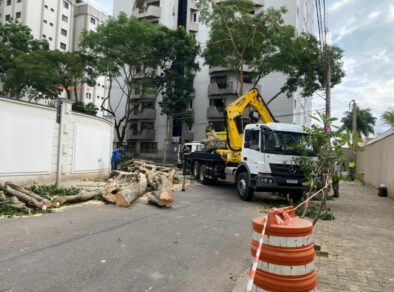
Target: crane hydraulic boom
<point>233,121</point>
<point>233,116</point>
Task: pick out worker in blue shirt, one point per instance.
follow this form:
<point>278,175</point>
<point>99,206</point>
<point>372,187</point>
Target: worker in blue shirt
<point>115,158</point>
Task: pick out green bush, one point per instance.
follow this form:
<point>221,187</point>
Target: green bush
<point>48,191</point>
<point>89,108</point>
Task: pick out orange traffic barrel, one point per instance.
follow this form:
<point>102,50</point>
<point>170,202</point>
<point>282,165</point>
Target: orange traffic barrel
<point>286,259</point>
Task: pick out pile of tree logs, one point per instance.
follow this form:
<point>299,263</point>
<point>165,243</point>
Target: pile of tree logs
<point>213,142</point>
<point>142,178</point>
<point>123,188</point>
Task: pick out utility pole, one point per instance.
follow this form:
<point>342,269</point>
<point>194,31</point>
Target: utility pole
<point>328,84</point>
<point>354,120</point>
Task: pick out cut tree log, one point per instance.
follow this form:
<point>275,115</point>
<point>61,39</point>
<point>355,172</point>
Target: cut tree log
<point>127,195</point>
<point>81,197</point>
<point>21,189</point>
<point>18,205</point>
<point>110,198</point>
<point>28,200</point>
<point>3,198</point>
<point>162,197</point>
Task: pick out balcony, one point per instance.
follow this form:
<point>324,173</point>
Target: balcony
<point>150,12</point>
<point>146,134</point>
<point>146,114</point>
<point>192,4</point>
<point>229,89</point>
<point>193,26</point>
<point>214,112</point>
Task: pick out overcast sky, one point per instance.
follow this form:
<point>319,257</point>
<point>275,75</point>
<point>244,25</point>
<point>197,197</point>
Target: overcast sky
<point>364,29</point>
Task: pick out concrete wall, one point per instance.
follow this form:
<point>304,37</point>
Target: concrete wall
<point>29,146</point>
<point>376,162</point>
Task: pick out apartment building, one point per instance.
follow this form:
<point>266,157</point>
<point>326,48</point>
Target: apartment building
<point>51,20</point>
<point>215,87</point>
<point>88,18</point>
<point>61,23</point>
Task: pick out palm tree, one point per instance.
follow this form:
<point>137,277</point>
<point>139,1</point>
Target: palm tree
<point>388,117</point>
<point>364,123</point>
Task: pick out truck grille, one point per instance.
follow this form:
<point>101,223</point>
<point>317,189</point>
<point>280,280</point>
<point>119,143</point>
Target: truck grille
<point>286,170</point>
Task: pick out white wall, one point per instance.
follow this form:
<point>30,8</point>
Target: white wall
<point>30,141</point>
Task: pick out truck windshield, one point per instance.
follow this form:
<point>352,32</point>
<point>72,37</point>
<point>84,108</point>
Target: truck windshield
<point>285,143</point>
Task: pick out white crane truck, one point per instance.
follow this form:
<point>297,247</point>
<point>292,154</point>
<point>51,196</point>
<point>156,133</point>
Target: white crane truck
<point>257,158</point>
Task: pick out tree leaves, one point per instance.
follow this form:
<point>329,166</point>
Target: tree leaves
<point>364,122</point>
<point>243,37</point>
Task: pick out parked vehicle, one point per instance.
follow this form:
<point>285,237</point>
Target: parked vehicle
<point>257,158</point>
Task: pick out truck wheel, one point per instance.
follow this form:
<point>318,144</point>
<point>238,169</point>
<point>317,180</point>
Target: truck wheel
<point>296,196</point>
<point>202,175</point>
<point>245,192</point>
<point>195,169</point>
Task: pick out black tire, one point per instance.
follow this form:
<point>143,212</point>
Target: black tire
<point>196,169</point>
<point>245,192</point>
<point>202,175</point>
<point>296,196</point>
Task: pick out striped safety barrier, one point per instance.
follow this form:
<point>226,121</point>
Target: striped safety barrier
<point>283,253</point>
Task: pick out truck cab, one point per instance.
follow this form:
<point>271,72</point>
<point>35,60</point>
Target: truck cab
<point>268,160</point>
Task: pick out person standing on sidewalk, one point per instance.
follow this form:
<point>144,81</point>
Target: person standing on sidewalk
<point>335,179</point>
<point>115,159</point>
<point>352,169</point>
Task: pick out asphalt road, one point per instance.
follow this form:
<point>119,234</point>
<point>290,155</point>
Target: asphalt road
<point>202,244</point>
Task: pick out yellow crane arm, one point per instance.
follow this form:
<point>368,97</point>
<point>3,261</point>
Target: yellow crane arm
<point>233,114</point>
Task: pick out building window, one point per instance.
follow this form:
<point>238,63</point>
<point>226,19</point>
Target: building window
<point>221,81</point>
<point>8,17</point>
<point>88,95</point>
<point>148,147</point>
<point>63,32</point>
<point>64,18</point>
<point>51,24</point>
<point>44,36</point>
<point>50,38</point>
<point>46,6</point>
<point>18,15</point>
<point>65,4</point>
<point>45,21</point>
<point>18,1</point>
<point>194,17</point>
<point>53,10</point>
<point>8,2</point>
<point>92,20</point>
<point>63,46</point>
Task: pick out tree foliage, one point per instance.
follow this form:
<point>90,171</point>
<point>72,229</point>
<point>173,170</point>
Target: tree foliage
<point>15,40</point>
<point>178,51</point>
<point>46,74</point>
<point>327,143</point>
<point>88,108</point>
<point>388,118</point>
<point>261,43</point>
<point>123,50</point>
<point>365,121</point>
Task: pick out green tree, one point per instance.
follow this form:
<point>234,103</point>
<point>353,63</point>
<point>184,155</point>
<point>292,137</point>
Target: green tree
<point>364,121</point>
<point>178,51</point>
<point>46,74</point>
<point>16,40</point>
<point>122,49</point>
<point>89,108</point>
<point>262,42</point>
<point>388,118</point>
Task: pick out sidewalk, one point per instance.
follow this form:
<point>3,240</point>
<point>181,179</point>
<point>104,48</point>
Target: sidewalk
<point>357,248</point>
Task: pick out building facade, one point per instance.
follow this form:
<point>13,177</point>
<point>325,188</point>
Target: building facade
<point>214,87</point>
<point>61,23</point>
